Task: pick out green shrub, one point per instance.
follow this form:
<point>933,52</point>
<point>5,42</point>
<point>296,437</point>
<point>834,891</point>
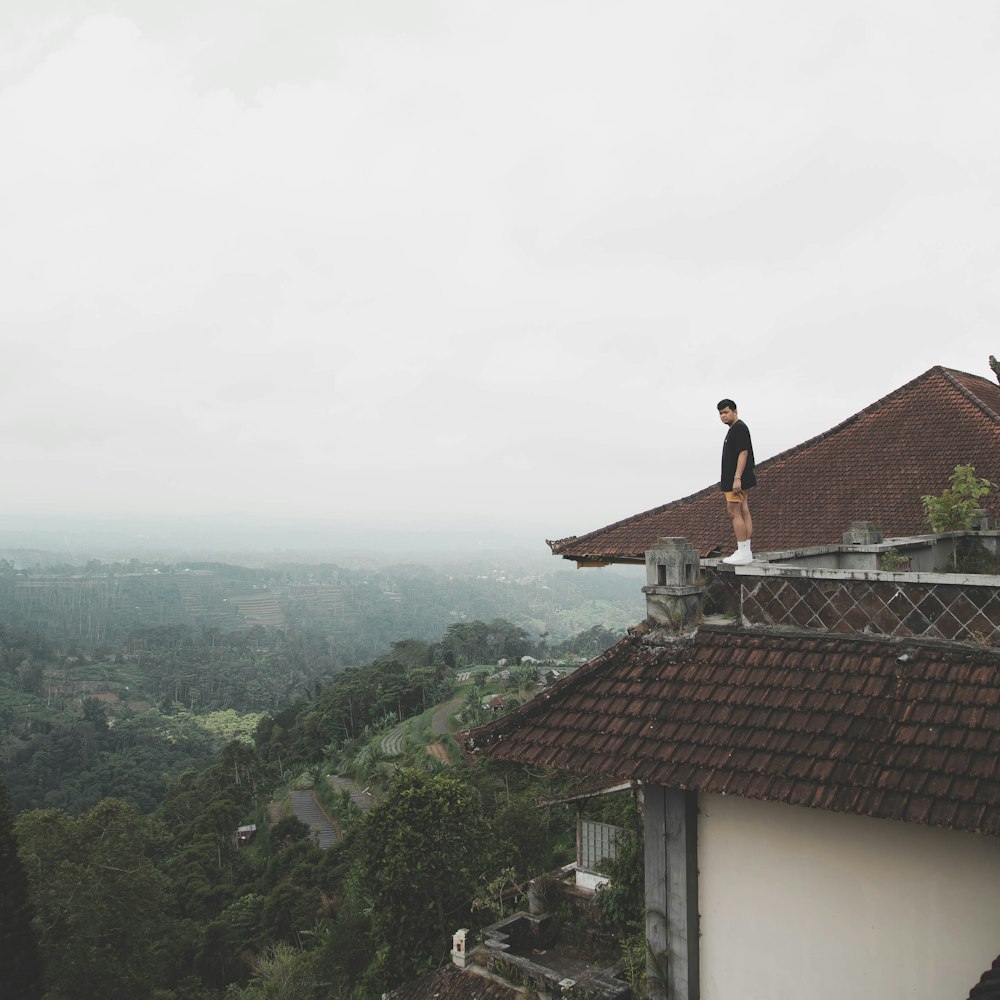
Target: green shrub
<point>955,508</point>
<point>892,560</point>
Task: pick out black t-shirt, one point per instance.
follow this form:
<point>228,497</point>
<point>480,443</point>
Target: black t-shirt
<point>737,440</point>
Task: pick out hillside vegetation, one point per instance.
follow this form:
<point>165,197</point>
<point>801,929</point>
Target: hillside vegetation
<point>129,778</point>
<point>147,712</point>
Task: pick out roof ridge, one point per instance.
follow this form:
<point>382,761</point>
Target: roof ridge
<point>950,373</point>
<point>854,418</point>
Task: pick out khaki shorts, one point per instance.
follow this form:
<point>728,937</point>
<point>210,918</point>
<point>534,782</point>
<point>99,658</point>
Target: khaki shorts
<point>736,496</point>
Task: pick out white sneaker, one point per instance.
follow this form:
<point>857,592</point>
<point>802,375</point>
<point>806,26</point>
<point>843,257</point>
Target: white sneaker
<point>738,558</point>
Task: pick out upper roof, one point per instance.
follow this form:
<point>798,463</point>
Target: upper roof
<point>875,466</point>
<point>988,988</point>
<point>834,721</point>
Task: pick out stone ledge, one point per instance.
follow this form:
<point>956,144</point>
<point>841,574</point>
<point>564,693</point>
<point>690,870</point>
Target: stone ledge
<point>817,573</point>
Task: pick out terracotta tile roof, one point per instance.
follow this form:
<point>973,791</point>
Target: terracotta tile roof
<point>879,462</point>
<point>452,983</point>
<point>814,720</point>
<point>988,988</point>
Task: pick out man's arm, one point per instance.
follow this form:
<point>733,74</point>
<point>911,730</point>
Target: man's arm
<point>741,464</point>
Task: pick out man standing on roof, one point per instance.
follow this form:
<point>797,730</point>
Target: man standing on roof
<point>737,478</point>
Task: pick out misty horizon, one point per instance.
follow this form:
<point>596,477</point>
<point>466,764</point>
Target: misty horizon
<point>260,541</point>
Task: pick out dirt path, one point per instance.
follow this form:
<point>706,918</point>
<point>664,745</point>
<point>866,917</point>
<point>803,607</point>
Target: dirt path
<point>440,751</point>
<point>442,716</point>
<point>362,799</point>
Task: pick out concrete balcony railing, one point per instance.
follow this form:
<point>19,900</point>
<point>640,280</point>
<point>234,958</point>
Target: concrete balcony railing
<point>842,589</point>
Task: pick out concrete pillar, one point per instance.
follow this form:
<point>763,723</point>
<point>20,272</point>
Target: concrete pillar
<point>579,834</point>
<point>983,520</point>
<point>673,592</point>
<point>537,904</point>
<point>862,533</point>
<point>458,953</point>
<point>670,819</point>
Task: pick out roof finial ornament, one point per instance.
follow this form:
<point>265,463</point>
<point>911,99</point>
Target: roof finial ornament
<point>995,365</point>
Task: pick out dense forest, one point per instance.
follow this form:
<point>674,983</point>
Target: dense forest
<point>133,747</point>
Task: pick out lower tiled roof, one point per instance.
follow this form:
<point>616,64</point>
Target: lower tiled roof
<point>874,466</point>
<point>452,983</point>
<point>905,730</point>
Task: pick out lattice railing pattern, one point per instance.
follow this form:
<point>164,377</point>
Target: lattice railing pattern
<point>722,592</point>
<point>963,612</point>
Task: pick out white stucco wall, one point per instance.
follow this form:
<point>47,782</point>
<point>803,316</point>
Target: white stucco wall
<point>801,903</point>
<point>590,880</point>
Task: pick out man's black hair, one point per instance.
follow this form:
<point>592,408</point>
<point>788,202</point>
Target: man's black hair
<point>723,403</point>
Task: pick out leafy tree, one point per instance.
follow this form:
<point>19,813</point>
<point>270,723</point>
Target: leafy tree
<point>282,972</point>
<point>467,642</point>
<point>73,763</point>
<point>473,713</point>
<point>48,768</point>
<point>288,910</point>
<point>346,951</point>
<point>420,855</point>
<point>101,902</point>
<point>500,892</point>
<point>506,640</point>
<point>412,652</point>
<point>524,826</point>
<point>591,643</point>
<point>288,830</point>
<point>95,715</point>
<point>954,509</point>
<point>202,812</point>
<point>30,675</point>
<point>217,959</point>
<point>20,961</point>
<point>621,902</point>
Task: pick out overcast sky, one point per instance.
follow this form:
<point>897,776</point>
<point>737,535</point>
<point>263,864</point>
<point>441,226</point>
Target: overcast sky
<point>477,263</point>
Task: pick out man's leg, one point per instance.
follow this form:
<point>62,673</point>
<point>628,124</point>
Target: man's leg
<point>739,514</point>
